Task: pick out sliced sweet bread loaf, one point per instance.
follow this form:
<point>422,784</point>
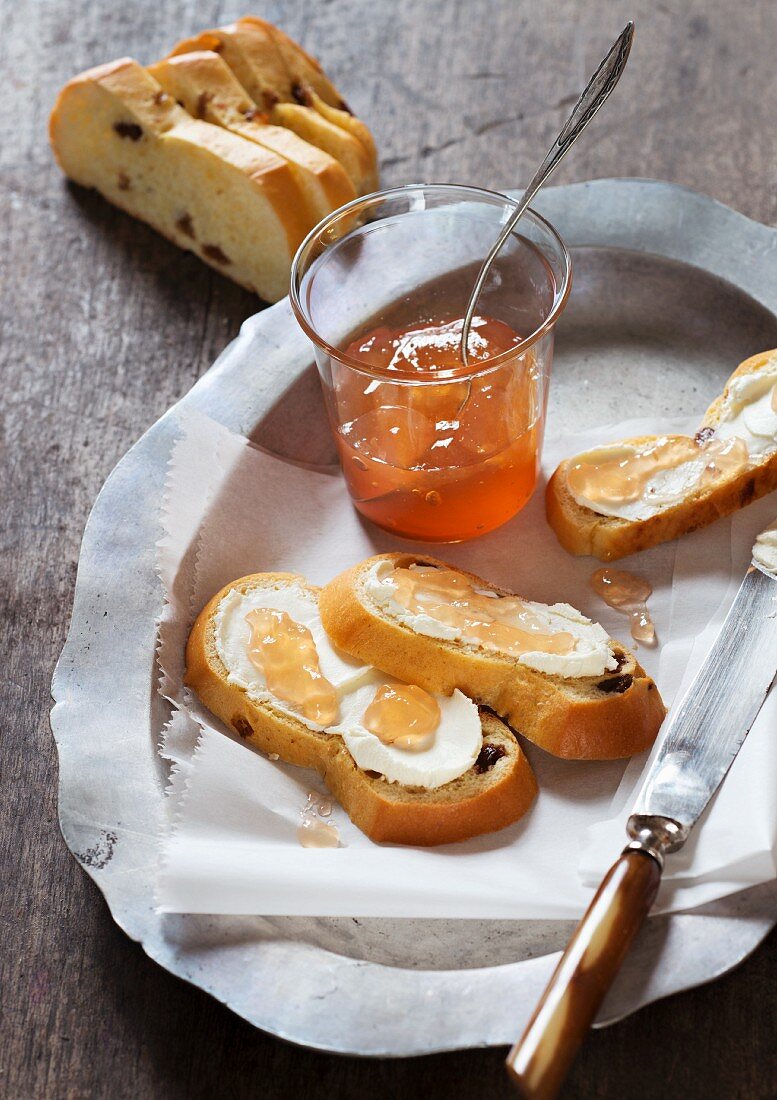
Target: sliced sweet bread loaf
<point>310,84</point>
<point>209,89</point>
<point>206,159</point>
<point>287,84</point>
<point>232,202</point>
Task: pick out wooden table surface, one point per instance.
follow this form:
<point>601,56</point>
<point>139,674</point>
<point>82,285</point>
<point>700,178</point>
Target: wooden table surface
<point>104,325</point>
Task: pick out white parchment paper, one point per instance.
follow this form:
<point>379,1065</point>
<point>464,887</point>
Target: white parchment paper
<point>231,845</point>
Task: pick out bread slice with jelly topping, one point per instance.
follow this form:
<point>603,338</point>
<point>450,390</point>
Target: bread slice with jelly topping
<point>553,675</point>
<point>312,705</point>
<point>629,496</point>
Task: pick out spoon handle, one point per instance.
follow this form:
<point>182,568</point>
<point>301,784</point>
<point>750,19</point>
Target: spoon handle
<point>593,96</point>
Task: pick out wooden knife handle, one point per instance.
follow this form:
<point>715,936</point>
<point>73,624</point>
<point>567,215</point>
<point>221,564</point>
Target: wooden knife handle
<point>540,1060</point>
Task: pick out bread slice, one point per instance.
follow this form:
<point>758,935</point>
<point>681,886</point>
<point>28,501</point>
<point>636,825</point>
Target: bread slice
<point>580,530</point>
<point>283,80</point>
<point>232,202</point>
<point>208,89</point>
<point>342,117</point>
<point>252,54</point>
<point>300,66</point>
<point>307,123</point>
<point>601,717</point>
<point>310,85</point>
<point>495,792</point>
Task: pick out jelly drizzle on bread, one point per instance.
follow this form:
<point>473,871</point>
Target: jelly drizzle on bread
<point>654,489</point>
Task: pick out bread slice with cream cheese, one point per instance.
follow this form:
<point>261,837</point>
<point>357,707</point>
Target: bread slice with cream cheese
<point>494,785</point>
<point>597,703</point>
<point>583,530</point>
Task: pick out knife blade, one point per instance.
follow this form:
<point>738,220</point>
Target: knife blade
<point>708,728</point>
<point>697,748</point>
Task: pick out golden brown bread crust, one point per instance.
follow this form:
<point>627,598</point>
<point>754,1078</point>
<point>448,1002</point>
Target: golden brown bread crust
<point>602,717</point>
<point>582,531</point>
<point>386,812</point>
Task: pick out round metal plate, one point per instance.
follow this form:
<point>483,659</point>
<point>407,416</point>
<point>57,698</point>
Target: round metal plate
<point>671,290</point>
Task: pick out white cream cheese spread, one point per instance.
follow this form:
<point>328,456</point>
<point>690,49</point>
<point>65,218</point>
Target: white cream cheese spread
<point>588,651</point>
<point>455,747</point>
<point>233,635</point>
<point>456,742</point>
<point>765,549</point>
<point>750,412</point>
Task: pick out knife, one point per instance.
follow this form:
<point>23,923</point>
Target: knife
<point>699,745</point>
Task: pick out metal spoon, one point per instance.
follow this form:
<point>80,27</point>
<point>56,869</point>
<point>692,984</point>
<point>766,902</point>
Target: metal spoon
<point>596,92</point>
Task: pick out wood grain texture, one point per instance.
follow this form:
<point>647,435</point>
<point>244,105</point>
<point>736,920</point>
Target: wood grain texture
<point>104,324</point>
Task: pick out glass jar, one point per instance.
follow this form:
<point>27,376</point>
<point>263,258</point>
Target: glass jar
<point>431,449</point>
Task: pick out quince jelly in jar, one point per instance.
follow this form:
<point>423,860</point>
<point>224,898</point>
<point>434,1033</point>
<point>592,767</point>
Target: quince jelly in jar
<point>443,453</point>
